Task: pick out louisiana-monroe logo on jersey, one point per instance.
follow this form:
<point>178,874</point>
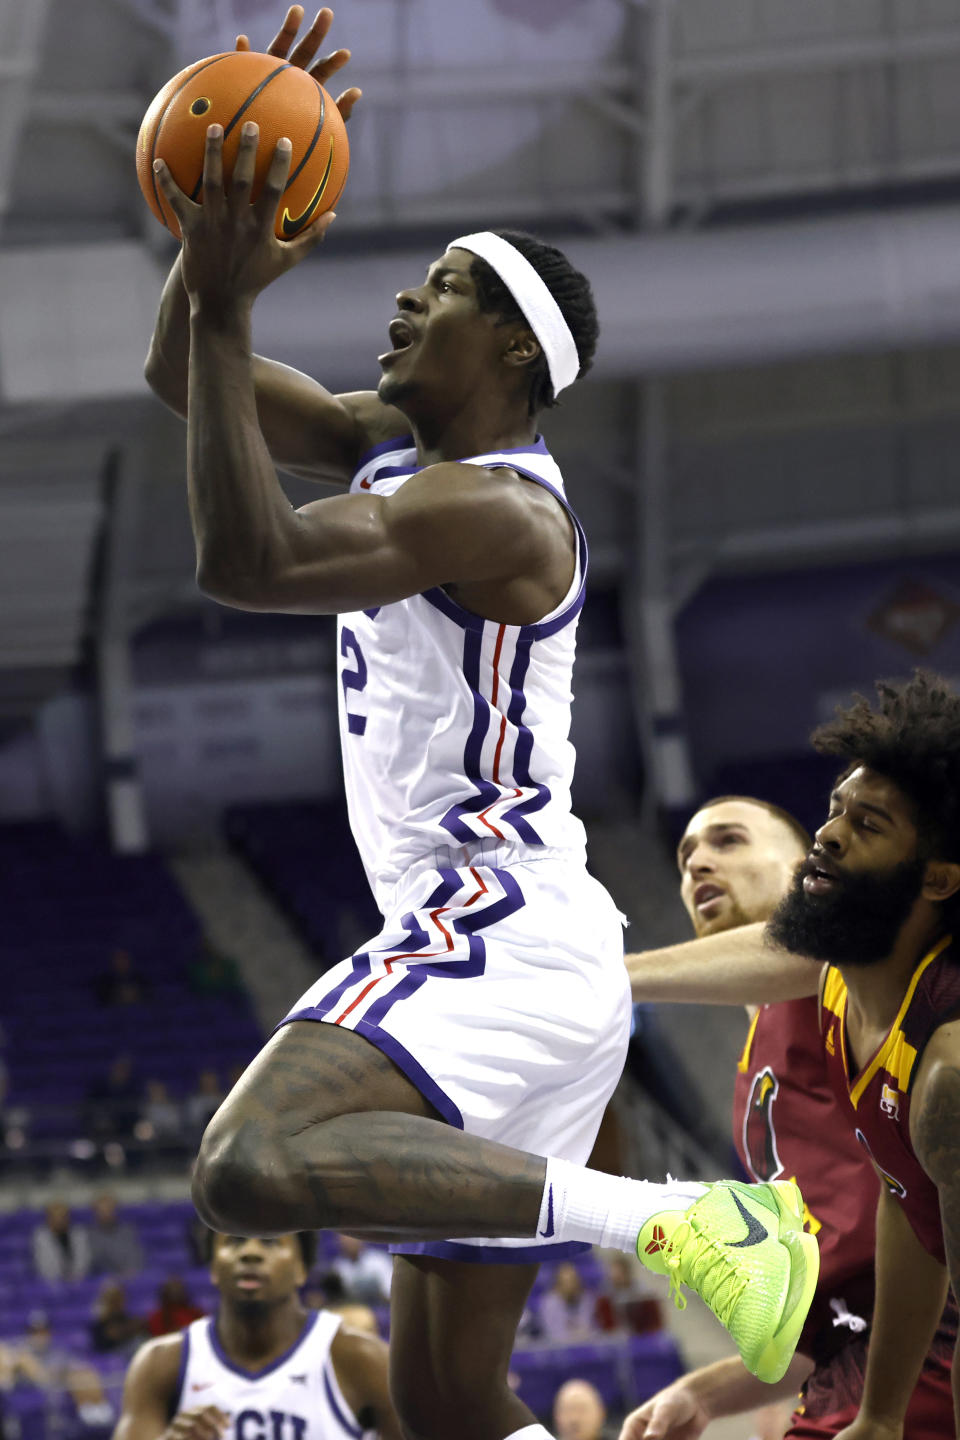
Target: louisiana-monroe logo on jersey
<point>759,1135</point>
<point>890,1102</point>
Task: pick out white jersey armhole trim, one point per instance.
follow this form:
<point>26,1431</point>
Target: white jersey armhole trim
<point>568,608</point>
<point>177,1396</point>
<point>335,1395</point>
<point>580,543</point>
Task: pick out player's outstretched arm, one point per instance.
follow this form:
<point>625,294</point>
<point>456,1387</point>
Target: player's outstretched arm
<point>683,1410</point>
<point>935,1132</point>
<point>360,1363</point>
<point>148,1395</point>
<point>735,967</point>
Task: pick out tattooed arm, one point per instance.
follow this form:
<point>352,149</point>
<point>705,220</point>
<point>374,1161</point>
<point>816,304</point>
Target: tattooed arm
<point>935,1132</point>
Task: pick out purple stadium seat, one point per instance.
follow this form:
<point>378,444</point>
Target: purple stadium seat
<point>626,1371</point>
<point>67,904</point>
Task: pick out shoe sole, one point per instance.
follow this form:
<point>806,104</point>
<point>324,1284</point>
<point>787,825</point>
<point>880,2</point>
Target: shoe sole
<point>774,1359</point>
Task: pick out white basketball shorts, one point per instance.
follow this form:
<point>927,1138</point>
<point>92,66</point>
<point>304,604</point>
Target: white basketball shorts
<point>501,993</point>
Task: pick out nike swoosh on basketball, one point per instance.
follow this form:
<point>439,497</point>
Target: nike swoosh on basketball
<point>549,1230</point>
<point>290,224</point>
<point>755,1235</point>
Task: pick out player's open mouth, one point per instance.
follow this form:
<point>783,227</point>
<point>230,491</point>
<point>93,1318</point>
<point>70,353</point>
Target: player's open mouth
<point>706,896</point>
<point>249,1282</point>
<point>402,336</point>
<point>819,878</point>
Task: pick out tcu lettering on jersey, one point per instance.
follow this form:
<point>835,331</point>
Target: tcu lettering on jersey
<point>275,1425</point>
<point>295,1398</point>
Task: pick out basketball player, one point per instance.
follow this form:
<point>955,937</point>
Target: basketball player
<point>737,858</point>
<point>414,1091</point>
<point>263,1368</point>
<point>876,901</point>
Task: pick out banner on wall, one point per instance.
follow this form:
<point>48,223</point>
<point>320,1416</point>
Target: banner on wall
<point>765,658</point>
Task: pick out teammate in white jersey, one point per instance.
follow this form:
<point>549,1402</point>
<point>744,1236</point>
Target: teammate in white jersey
<point>485,1027</point>
<point>262,1368</point>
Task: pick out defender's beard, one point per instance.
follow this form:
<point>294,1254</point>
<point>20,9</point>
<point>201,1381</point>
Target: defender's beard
<point>855,923</point>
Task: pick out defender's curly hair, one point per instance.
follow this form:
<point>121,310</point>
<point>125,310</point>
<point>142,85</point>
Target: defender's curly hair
<point>569,288</point>
<point>913,738</point>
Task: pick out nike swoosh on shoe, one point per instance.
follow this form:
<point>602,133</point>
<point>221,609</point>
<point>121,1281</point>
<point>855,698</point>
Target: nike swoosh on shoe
<point>756,1233</point>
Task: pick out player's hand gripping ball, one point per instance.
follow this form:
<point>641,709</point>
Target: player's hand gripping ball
<point>228,90</point>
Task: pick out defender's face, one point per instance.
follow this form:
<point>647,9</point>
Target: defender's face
<point>250,1271</point>
<point>443,345</point>
<point>736,862</point>
<point>869,830</point>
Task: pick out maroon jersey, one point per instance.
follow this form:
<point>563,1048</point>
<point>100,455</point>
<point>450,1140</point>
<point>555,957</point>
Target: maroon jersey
<point>877,1103</point>
<point>787,1125</point>
<point>877,1097</point>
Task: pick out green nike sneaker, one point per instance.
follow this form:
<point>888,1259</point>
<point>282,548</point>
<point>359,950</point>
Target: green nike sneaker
<point>744,1251</point>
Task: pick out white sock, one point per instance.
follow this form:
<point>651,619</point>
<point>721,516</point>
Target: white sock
<point>607,1210</point>
<point>530,1432</point>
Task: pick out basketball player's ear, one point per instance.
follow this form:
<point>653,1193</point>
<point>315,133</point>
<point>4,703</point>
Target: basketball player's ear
<point>941,881</point>
<point>523,348</point>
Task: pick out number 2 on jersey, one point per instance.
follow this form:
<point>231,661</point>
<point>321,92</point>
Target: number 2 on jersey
<point>353,679</point>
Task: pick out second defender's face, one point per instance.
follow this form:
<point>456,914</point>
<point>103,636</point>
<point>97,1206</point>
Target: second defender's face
<point>249,1271</point>
<point>736,861</point>
<point>443,345</point>
<point>869,829</point>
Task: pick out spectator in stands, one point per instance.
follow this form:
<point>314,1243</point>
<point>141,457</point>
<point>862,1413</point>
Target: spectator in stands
<point>39,1361</point>
<point>627,1301</point>
<point>203,1103</point>
<point>113,1329</point>
<point>114,1244</point>
<point>114,1101</point>
<point>567,1309</point>
<point>61,1249</point>
<point>175,1310</point>
<point>366,1272</point>
<point>120,984</point>
<point>160,1118</point>
<point>213,973</point>
<point>579,1412</point>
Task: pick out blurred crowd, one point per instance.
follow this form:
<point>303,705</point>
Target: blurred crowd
<point>354,1281</point>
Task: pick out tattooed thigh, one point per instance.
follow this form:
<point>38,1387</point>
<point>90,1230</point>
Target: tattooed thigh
<point>309,1072</point>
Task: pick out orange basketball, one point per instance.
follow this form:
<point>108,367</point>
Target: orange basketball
<point>229,90</point>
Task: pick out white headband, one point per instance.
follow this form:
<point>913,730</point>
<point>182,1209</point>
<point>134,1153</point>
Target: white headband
<point>540,310</point>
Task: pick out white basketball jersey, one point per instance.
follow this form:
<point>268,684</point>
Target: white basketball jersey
<point>454,729</point>
<point>295,1398</point>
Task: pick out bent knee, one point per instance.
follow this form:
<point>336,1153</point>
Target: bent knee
<point>239,1177</point>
